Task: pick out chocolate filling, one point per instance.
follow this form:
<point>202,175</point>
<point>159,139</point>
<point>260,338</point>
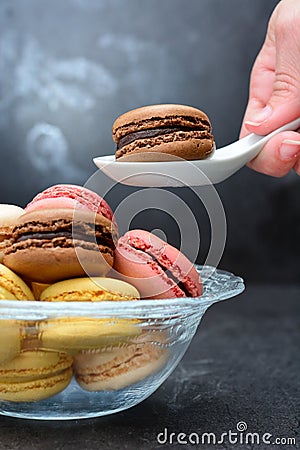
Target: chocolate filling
<point>101,240</point>
<point>81,231</point>
<point>144,134</point>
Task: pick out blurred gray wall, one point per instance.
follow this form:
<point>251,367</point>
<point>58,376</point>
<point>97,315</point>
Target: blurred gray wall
<point>69,68</point>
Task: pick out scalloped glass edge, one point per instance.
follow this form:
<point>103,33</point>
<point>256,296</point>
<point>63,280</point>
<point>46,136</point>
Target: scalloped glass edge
<point>218,285</point>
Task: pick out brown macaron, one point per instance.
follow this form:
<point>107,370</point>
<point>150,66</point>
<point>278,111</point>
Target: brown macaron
<point>55,244</point>
<point>163,133</point>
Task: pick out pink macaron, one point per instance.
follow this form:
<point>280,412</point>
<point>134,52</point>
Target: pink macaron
<point>65,196</point>
<point>154,267</point>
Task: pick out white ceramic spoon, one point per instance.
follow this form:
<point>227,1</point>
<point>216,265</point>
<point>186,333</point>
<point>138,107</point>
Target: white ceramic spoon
<point>221,164</point>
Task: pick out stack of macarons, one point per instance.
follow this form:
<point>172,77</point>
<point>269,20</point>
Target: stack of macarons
<point>64,247</point>
<point>69,232</point>
<point>63,229</point>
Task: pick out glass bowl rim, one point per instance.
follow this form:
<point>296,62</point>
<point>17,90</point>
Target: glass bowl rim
<point>164,308</point>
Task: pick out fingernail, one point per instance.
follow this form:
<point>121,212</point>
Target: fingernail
<point>260,116</point>
<point>289,149</point>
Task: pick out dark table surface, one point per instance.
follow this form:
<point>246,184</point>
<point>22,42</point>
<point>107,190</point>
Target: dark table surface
<point>241,370</point>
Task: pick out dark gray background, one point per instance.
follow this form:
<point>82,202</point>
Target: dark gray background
<point>69,68</point>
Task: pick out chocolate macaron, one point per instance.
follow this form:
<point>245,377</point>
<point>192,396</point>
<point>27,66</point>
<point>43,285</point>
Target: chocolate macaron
<point>49,245</point>
<point>163,133</point>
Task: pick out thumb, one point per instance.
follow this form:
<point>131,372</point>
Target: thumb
<point>283,107</point>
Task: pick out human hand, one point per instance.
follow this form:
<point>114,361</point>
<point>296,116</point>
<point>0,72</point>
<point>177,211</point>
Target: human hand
<point>274,97</point>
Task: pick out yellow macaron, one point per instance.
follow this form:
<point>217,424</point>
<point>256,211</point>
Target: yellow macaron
<point>89,289</point>
<point>12,287</point>
<point>34,375</point>
<point>10,340</point>
<point>74,334</point>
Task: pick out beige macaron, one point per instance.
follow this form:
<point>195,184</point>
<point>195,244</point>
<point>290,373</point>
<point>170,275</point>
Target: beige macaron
<point>117,367</point>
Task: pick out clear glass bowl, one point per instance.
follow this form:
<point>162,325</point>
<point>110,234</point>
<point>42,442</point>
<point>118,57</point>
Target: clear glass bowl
<point>139,344</point>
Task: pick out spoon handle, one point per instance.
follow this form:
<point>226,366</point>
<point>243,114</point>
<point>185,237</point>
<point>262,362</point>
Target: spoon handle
<point>248,147</point>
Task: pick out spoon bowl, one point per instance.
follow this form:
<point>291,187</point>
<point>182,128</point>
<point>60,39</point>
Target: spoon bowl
<point>219,166</point>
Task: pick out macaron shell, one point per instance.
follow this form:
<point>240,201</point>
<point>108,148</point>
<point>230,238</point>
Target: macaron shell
<point>48,265</point>
<point>35,219</point>
<point>72,335</point>
<point>91,289</point>
<point>36,390</point>
<point>12,283</point>
<point>166,148</point>
<point>71,196</point>
<point>55,203</point>
<point>155,113</point>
